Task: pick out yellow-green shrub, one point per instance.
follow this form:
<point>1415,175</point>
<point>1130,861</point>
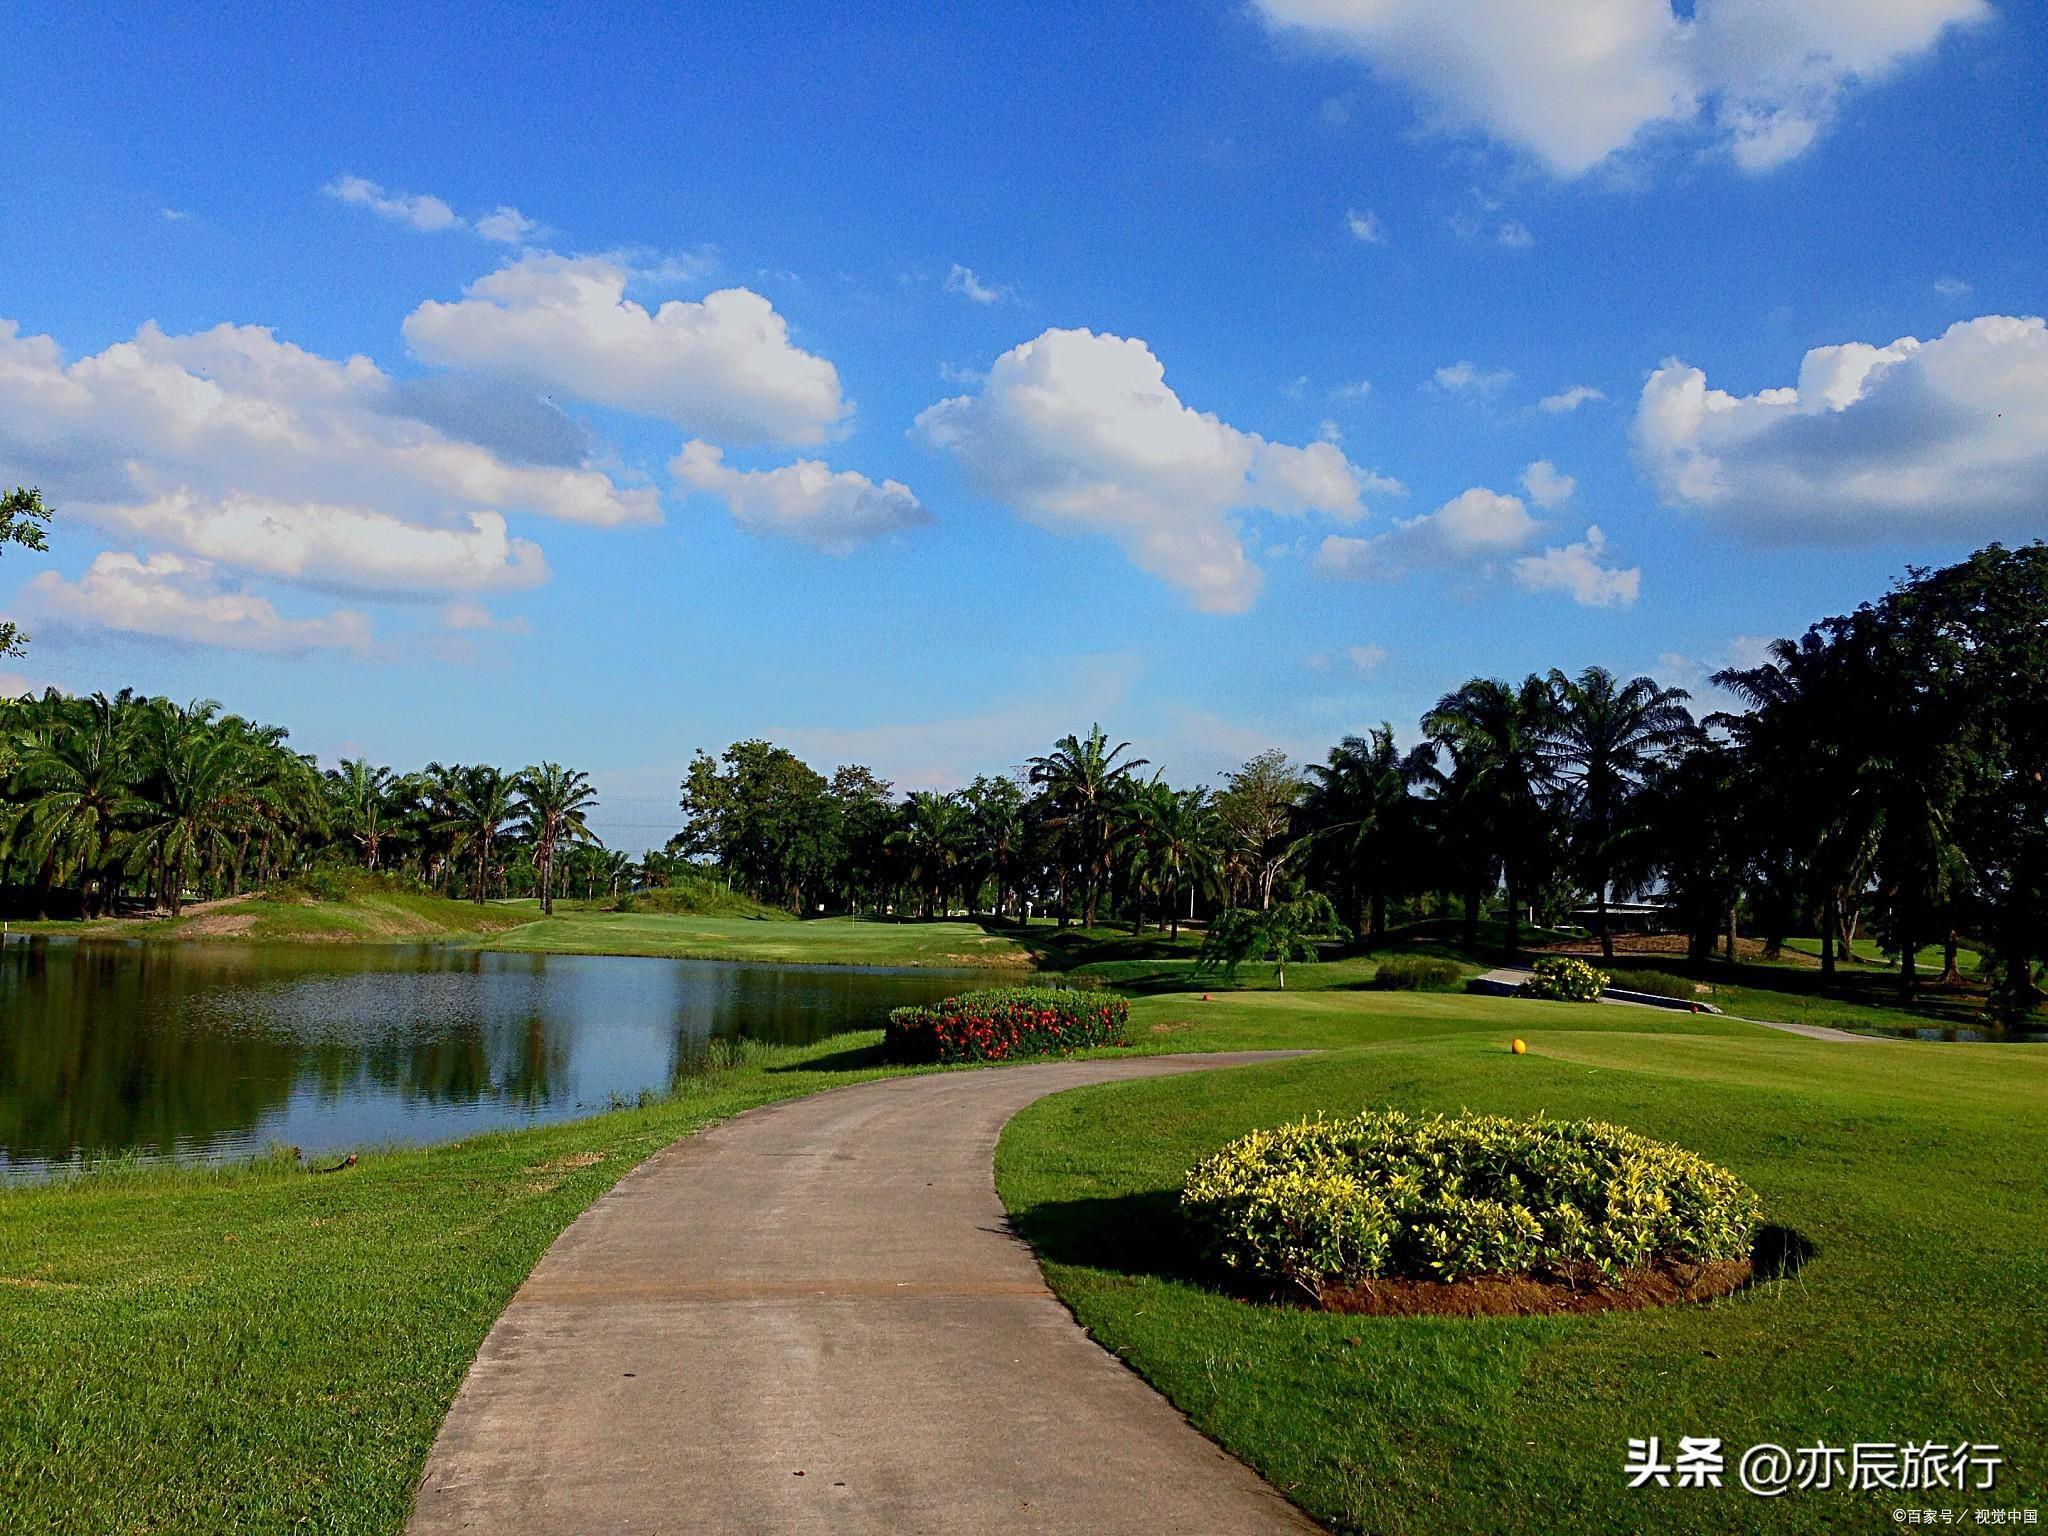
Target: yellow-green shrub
<point>1321,1203</point>
<point>1564,980</point>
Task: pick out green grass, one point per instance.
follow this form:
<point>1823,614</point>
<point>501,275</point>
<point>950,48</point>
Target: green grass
<point>367,910</point>
<point>1915,1168</point>
<point>814,941</point>
<point>262,1349</point>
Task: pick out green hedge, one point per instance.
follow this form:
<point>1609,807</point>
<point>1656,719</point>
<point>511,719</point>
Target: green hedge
<point>1655,984</point>
<point>1319,1204</point>
<point>1418,973</point>
<point>1004,1023</point>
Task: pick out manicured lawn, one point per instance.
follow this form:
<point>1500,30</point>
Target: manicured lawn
<point>369,913</point>
<point>814,941</point>
<point>1916,1169</point>
<point>262,1349</point>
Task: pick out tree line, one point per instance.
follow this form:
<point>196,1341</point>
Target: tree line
<point>1887,772</point>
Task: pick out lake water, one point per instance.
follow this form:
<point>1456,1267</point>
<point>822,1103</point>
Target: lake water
<point>217,1051</point>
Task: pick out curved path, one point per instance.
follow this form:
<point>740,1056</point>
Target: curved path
<point>813,1318</point>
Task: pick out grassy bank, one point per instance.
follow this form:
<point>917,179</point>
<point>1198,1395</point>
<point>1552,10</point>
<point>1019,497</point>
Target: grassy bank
<point>814,941</point>
<point>263,1349</point>
<point>338,907</point>
<point>1914,1168</point>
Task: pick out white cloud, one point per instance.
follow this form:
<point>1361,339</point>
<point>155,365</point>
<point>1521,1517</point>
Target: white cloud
<point>234,410</point>
<point>1546,486</point>
<point>1365,227</point>
<point>168,597</point>
<point>1080,432</point>
<point>1574,83</point>
<point>804,501</point>
<point>1365,658</point>
<point>173,215</point>
<point>466,615</point>
<point>1575,569</point>
<point>1952,288</point>
<point>1355,391</point>
<point>427,214</point>
<point>1515,235</point>
<point>723,367</point>
<point>1947,437</point>
<point>507,225</point>
<point>351,548</point>
<point>1467,377</point>
<point>961,280</point>
<point>1473,527</point>
<point>1567,400</point>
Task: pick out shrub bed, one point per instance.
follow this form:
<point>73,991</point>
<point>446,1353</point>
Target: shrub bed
<point>1418,973</point>
<point>1004,1023</point>
<point>1350,1212</point>
<point>1564,980</point>
<point>1655,984</point>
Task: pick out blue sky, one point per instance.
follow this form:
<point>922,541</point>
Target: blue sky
<point>1069,312</point>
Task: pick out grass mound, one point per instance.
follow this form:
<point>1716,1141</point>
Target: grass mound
<point>1328,1208</point>
<point>1004,1023</point>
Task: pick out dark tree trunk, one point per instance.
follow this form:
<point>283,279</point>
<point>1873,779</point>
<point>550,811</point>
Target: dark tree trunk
<point>1472,916</point>
<point>1600,923</point>
<point>1951,974</point>
<point>1379,914</point>
<point>1907,960</point>
<point>1830,920</point>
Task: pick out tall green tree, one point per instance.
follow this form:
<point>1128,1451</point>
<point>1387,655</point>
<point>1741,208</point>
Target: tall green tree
<point>23,518</point>
<point>1608,736</point>
<point>554,804</point>
<point>1362,813</point>
<point>1087,787</point>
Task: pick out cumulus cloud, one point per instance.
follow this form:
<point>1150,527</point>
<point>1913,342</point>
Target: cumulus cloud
<point>805,501</point>
<point>1081,433</point>
<point>235,410</point>
<point>961,280</point>
<point>1568,400</point>
<point>1547,487</point>
<point>349,548</point>
<point>1365,227</point>
<point>1947,437</point>
<point>1575,570</point>
<point>507,225</point>
<point>168,597</point>
<point>723,367</point>
<point>1467,377</point>
<point>1365,658</point>
<point>1515,235</point>
<point>1573,84</point>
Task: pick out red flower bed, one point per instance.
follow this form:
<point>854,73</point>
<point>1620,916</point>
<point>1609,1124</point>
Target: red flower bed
<point>1004,1023</point>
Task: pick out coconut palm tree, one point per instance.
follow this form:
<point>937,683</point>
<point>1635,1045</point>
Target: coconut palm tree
<point>1087,787</point>
<point>933,838</point>
<point>1177,847</point>
<point>552,805</point>
<point>1501,742</point>
<point>1608,735</point>
<point>191,792</point>
<point>1361,810</point>
<point>361,792</point>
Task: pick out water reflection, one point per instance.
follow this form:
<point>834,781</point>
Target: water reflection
<point>214,1051</point>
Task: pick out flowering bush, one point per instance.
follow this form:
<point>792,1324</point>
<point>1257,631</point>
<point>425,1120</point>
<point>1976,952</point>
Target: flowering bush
<point>1564,980</point>
<point>1002,1023</point>
<point>1318,1204</point>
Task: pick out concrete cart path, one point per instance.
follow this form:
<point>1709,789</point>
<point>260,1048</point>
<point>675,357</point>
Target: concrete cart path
<point>813,1318</point>
<point>1505,979</point>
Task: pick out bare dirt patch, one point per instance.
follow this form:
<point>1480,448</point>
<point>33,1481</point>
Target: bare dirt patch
<point>219,925</point>
<point>1661,1285</point>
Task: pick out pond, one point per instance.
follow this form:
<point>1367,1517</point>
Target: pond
<point>213,1052</point>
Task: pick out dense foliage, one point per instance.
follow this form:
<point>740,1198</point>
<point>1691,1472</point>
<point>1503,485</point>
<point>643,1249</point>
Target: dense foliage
<point>1889,775</point>
<point>1418,973</point>
<point>1005,1023</point>
<point>1320,1204</point>
<point>1564,980</point>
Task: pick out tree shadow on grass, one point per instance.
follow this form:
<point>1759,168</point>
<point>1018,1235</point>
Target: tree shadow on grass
<point>1141,1233</point>
<point>852,1058</point>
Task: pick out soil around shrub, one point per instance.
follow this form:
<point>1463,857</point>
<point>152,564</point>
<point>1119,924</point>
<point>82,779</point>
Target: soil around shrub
<point>1662,1284</point>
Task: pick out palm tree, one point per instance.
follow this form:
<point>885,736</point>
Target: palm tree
<point>191,792</point>
<point>1608,735</point>
<point>1177,845</point>
<point>553,804</point>
<point>477,802</point>
<point>1500,739</point>
<point>931,837</point>
<point>1087,787</point>
<point>361,792</point>
<point>77,795</point>
<point>1359,805</point>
